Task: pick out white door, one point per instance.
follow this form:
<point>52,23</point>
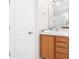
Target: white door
<point>21,29</point>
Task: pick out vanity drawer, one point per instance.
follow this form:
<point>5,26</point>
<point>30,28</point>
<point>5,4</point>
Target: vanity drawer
<point>61,39</point>
<point>62,45</point>
<point>61,56</point>
<point>62,50</point>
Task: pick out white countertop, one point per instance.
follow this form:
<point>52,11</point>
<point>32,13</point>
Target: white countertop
<point>56,33</point>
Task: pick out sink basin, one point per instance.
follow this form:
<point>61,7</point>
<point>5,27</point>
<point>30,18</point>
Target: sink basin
<point>56,33</point>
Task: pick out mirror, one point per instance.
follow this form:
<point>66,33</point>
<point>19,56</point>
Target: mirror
<point>58,13</point>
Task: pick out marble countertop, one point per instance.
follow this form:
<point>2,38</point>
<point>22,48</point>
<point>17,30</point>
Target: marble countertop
<point>56,33</point>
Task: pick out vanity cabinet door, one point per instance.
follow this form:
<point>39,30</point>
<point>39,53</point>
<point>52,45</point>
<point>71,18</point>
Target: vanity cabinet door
<point>51,47</point>
<point>46,47</point>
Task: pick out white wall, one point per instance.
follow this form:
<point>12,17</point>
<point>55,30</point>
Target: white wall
<point>43,14</point>
<point>41,22</point>
<point>51,13</point>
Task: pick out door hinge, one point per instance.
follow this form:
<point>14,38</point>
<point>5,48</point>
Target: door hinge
<point>9,54</point>
<point>9,1</point>
<point>9,27</point>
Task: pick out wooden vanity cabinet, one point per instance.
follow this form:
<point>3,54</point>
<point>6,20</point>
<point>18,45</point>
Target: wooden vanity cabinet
<point>46,47</point>
<point>54,47</point>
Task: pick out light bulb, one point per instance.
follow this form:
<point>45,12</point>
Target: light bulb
<point>57,4</point>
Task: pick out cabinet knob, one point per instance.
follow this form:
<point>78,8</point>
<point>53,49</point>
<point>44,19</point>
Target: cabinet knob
<point>43,58</point>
